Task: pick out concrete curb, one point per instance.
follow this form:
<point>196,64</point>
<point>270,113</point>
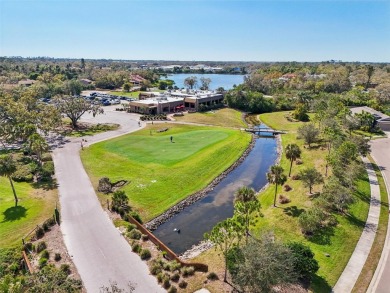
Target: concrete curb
<point>355,265</point>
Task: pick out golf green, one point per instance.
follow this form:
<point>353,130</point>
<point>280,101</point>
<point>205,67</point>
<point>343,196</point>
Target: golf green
<point>162,172</point>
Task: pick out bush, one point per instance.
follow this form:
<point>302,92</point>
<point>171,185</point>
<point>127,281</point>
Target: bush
<point>57,256</point>
<point>166,283</point>
<point>175,277</point>
<point>160,277</point>
<point>65,268</point>
<point>174,266</point>
<point>136,216</point>
<point>296,177</point>
<point>145,254</point>
<point>28,247</point>
<point>46,157</point>
<point>131,227</point>
<point>173,289</point>
<point>42,262</point>
<point>183,284</point>
<point>134,234</point>
<point>283,199</point>
<point>22,174</point>
<point>212,276</point>
<point>187,271</point>
<point>40,246</point>
<point>136,247</point>
<point>287,187</point>
<point>311,220</point>
<point>304,263</point>
<point>144,237</point>
<point>39,232</point>
<point>155,269</point>
<point>45,254</point>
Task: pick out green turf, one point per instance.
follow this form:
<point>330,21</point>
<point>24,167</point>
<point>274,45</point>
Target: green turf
<point>34,207</point>
<point>162,173</point>
<point>126,94</point>
<point>338,242</point>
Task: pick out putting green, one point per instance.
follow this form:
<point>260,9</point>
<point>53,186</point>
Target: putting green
<point>162,172</point>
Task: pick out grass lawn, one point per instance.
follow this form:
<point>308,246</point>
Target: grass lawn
<point>223,117</point>
<point>376,251</point>
<point>126,94</point>
<point>339,242</point>
<point>162,173</point>
<point>34,207</point>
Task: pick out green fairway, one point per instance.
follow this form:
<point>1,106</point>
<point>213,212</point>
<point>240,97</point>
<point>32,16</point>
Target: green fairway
<point>34,207</point>
<point>162,172</point>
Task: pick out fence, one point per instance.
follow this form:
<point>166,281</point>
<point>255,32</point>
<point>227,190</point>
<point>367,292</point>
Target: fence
<point>169,253</point>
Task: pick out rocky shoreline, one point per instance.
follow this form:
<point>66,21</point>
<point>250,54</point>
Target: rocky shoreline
<point>176,209</point>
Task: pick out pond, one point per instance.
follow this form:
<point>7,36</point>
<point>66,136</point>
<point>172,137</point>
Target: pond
<point>217,205</point>
<point>217,80</point>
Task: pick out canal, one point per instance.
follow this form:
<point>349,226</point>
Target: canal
<point>217,205</point>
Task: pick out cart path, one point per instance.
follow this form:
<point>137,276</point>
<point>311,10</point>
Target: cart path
<point>99,251</point>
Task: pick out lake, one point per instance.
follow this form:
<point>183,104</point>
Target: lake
<point>217,80</point>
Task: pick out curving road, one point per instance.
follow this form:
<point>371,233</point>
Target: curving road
<point>99,251</point>
<point>380,151</point>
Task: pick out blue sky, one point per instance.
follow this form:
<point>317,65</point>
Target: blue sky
<point>197,30</point>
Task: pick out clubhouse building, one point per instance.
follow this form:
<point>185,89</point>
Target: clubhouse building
<point>175,101</point>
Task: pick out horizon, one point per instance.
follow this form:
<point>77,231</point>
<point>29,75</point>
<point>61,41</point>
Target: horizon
<point>195,31</point>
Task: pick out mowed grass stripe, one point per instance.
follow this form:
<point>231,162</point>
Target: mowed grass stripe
<point>162,173</point>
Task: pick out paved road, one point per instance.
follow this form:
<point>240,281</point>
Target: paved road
<point>381,154</point>
<point>98,250</point>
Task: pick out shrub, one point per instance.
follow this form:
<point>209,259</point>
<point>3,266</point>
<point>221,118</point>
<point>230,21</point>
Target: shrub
<point>187,271</point>
<point>183,284</point>
<point>145,254</point>
<point>283,199</point>
<point>175,277</point>
<point>40,246</point>
<point>136,216</point>
<point>287,187</point>
<point>46,157</point>
<point>296,177</point>
<point>166,266</point>
<point>136,247</point>
<point>50,222</point>
<point>311,220</point>
<point>166,283</point>
<point>212,276</point>
<point>28,247</point>
<point>57,256</point>
<point>144,237</point>
<point>22,174</point>
<point>45,254</point>
<point>65,268</point>
<point>131,227</point>
<point>42,262</point>
<point>155,269</point>
<point>304,263</point>
<point>174,266</point>
<point>134,234</point>
<point>160,277</point>
<point>39,232</point>
<point>173,289</point>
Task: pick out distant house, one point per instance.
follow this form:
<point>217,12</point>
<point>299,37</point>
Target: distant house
<point>85,81</point>
<point>382,120</point>
<point>287,76</point>
<point>136,79</point>
<point>26,82</point>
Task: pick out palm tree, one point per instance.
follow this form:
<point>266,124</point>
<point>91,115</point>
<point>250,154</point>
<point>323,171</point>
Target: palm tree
<point>293,152</point>
<point>276,176</point>
<point>7,168</point>
<point>245,194</point>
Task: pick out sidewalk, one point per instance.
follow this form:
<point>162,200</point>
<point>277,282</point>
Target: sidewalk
<point>355,265</point>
